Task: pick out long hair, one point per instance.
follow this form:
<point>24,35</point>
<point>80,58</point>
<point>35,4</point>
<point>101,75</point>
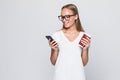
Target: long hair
<point>75,11</point>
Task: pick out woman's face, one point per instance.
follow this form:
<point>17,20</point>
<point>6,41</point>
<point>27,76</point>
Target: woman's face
<point>68,17</point>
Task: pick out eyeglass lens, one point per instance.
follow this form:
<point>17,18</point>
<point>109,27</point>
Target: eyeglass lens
<point>66,17</point>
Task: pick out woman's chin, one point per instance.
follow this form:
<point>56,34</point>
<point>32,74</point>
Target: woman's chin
<point>66,27</point>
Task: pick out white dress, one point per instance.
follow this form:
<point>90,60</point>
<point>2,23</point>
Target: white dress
<point>69,64</point>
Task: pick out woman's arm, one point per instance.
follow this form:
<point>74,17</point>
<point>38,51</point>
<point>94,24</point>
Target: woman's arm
<point>54,55</point>
<point>85,56</point>
<point>54,51</point>
<point>85,50</point>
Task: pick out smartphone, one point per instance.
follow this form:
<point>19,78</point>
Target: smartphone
<point>49,38</point>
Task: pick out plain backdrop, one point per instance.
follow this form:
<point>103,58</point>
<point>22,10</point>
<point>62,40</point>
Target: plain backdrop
<point>24,50</point>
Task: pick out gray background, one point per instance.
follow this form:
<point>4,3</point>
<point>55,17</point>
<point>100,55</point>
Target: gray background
<point>24,50</point>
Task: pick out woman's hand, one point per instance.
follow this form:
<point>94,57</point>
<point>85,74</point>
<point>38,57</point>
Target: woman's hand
<point>53,45</point>
<point>86,42</point>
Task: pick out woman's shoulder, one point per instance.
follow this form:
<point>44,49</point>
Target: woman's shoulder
<point>83,32</point>
<point>56,35</point>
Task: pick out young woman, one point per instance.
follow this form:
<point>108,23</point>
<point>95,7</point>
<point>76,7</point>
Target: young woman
<point>67,56</point>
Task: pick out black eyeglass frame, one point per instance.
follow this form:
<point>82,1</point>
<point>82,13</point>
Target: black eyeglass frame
<point>66,17</point>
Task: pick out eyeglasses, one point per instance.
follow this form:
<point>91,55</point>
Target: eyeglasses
<point>66,17</point>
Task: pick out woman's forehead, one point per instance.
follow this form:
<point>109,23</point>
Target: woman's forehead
<point>66,11</point>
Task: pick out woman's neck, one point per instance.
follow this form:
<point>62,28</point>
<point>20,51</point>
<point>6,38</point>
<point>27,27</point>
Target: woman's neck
<point>71,29</point>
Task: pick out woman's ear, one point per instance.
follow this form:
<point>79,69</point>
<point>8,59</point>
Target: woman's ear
<point>76,16</point>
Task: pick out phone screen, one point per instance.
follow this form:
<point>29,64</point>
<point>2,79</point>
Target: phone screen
<point>49,38</point>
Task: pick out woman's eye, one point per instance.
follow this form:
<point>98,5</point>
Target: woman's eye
<point>67,16</point>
